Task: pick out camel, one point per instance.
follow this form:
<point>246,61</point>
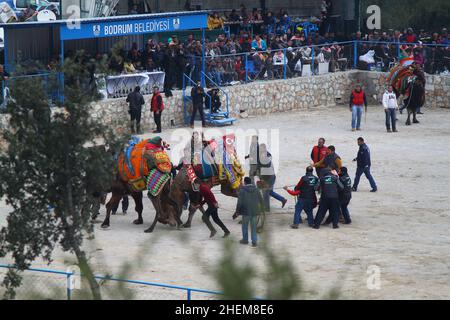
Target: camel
<point>409,81</point>
<point>121,186</point>
<point>415,100</point>
<point>181,184</point>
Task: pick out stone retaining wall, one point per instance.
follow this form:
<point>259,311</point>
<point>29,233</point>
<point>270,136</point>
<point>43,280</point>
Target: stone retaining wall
<point>437,88</point>
<point>265,97</point>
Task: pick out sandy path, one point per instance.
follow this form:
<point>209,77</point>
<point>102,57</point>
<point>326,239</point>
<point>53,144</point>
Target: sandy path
<point>404,229</point>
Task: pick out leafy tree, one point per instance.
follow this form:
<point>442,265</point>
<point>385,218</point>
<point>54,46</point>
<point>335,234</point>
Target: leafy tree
<point>58,157</point>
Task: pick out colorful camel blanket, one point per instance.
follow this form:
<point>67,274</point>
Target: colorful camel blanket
<point>401,76</point>
<point>156,181</point>
<point>139,158</point>
<point>228,165</point>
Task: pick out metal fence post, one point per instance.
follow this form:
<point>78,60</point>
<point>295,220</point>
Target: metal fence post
<point>284,64</point>
<point>313,62</point>
<point>69,286</point>
<point>189,294</point>
<point>355,53</point>
<point>245,66</point>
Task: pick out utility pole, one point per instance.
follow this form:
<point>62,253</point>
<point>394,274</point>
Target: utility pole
<point>358,13</point>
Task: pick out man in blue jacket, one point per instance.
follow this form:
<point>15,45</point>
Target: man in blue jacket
<point>363,166</point>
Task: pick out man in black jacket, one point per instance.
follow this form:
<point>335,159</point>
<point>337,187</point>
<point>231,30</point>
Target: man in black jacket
<point>363,166</point>
<point>329,200</point>
<point>197,95</point>
<point>345,195</point>
<point>306,192</point>
<point>136,101</point>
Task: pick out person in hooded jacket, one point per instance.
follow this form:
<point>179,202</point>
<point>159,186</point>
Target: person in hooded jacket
<point>306,192</point>
<point>329,200</point>
<point>250,205</point>
<point>345,195</point>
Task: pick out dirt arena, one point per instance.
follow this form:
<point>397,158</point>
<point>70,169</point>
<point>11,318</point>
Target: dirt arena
<point>404,229</point>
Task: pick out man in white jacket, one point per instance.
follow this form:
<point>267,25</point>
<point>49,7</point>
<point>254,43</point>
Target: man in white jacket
<point>390,108</point>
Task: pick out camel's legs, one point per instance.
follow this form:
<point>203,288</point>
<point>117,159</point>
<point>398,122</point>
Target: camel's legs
<point>415,117</point>
<point>113,202</point>
<point>157,204</point>
<point>408,121</point>
<point>137,197</point>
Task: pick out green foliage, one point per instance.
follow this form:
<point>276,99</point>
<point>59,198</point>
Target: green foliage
<point>419,14</point>
<point>54,156</point>
<point>237,278</point>
<point>234,280</point>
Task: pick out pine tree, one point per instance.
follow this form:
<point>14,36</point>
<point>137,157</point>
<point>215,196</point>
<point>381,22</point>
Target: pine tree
<point>58,158</point>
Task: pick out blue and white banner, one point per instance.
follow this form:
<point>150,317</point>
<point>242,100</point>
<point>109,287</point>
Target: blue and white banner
<point>124,28</point>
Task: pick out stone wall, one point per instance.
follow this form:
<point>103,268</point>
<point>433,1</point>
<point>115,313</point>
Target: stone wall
<point>437,88</point>
<point>265,97</point>
<point>256,98</point>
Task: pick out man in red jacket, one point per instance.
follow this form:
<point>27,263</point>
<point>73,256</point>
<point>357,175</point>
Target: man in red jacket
<point>157,107</point>
<point>357,102</point>
<point>208,198</point>
<point>318,153</point>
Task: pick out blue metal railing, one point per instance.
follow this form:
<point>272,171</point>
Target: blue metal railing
<point>352,50</point>
<point>50,84</point>
<point>227,100</point>
<point>187,97</point>
<point>69,275</point>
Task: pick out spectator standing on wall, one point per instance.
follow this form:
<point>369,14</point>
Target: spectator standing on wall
<point>136,101</point>
<point>157,106</point>
<point>197,95</point>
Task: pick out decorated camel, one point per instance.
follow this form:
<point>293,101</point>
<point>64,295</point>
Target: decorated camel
<point>144,165</point>
<point>213,162</point>
<point>408,80</point>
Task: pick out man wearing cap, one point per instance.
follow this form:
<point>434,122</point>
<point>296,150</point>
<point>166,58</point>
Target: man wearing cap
<point>157,107</point>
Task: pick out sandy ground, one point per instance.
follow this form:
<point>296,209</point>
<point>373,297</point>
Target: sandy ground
<point>404,229</point>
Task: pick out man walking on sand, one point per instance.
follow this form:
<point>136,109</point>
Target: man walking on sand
<point>363,166</point>
<point>357,102</point>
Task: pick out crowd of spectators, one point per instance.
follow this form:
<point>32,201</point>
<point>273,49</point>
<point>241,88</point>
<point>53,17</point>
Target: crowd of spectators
<point>429,50</point>
<point>260,45</point>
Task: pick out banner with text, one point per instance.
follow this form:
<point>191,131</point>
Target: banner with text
<point>124,28</point>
